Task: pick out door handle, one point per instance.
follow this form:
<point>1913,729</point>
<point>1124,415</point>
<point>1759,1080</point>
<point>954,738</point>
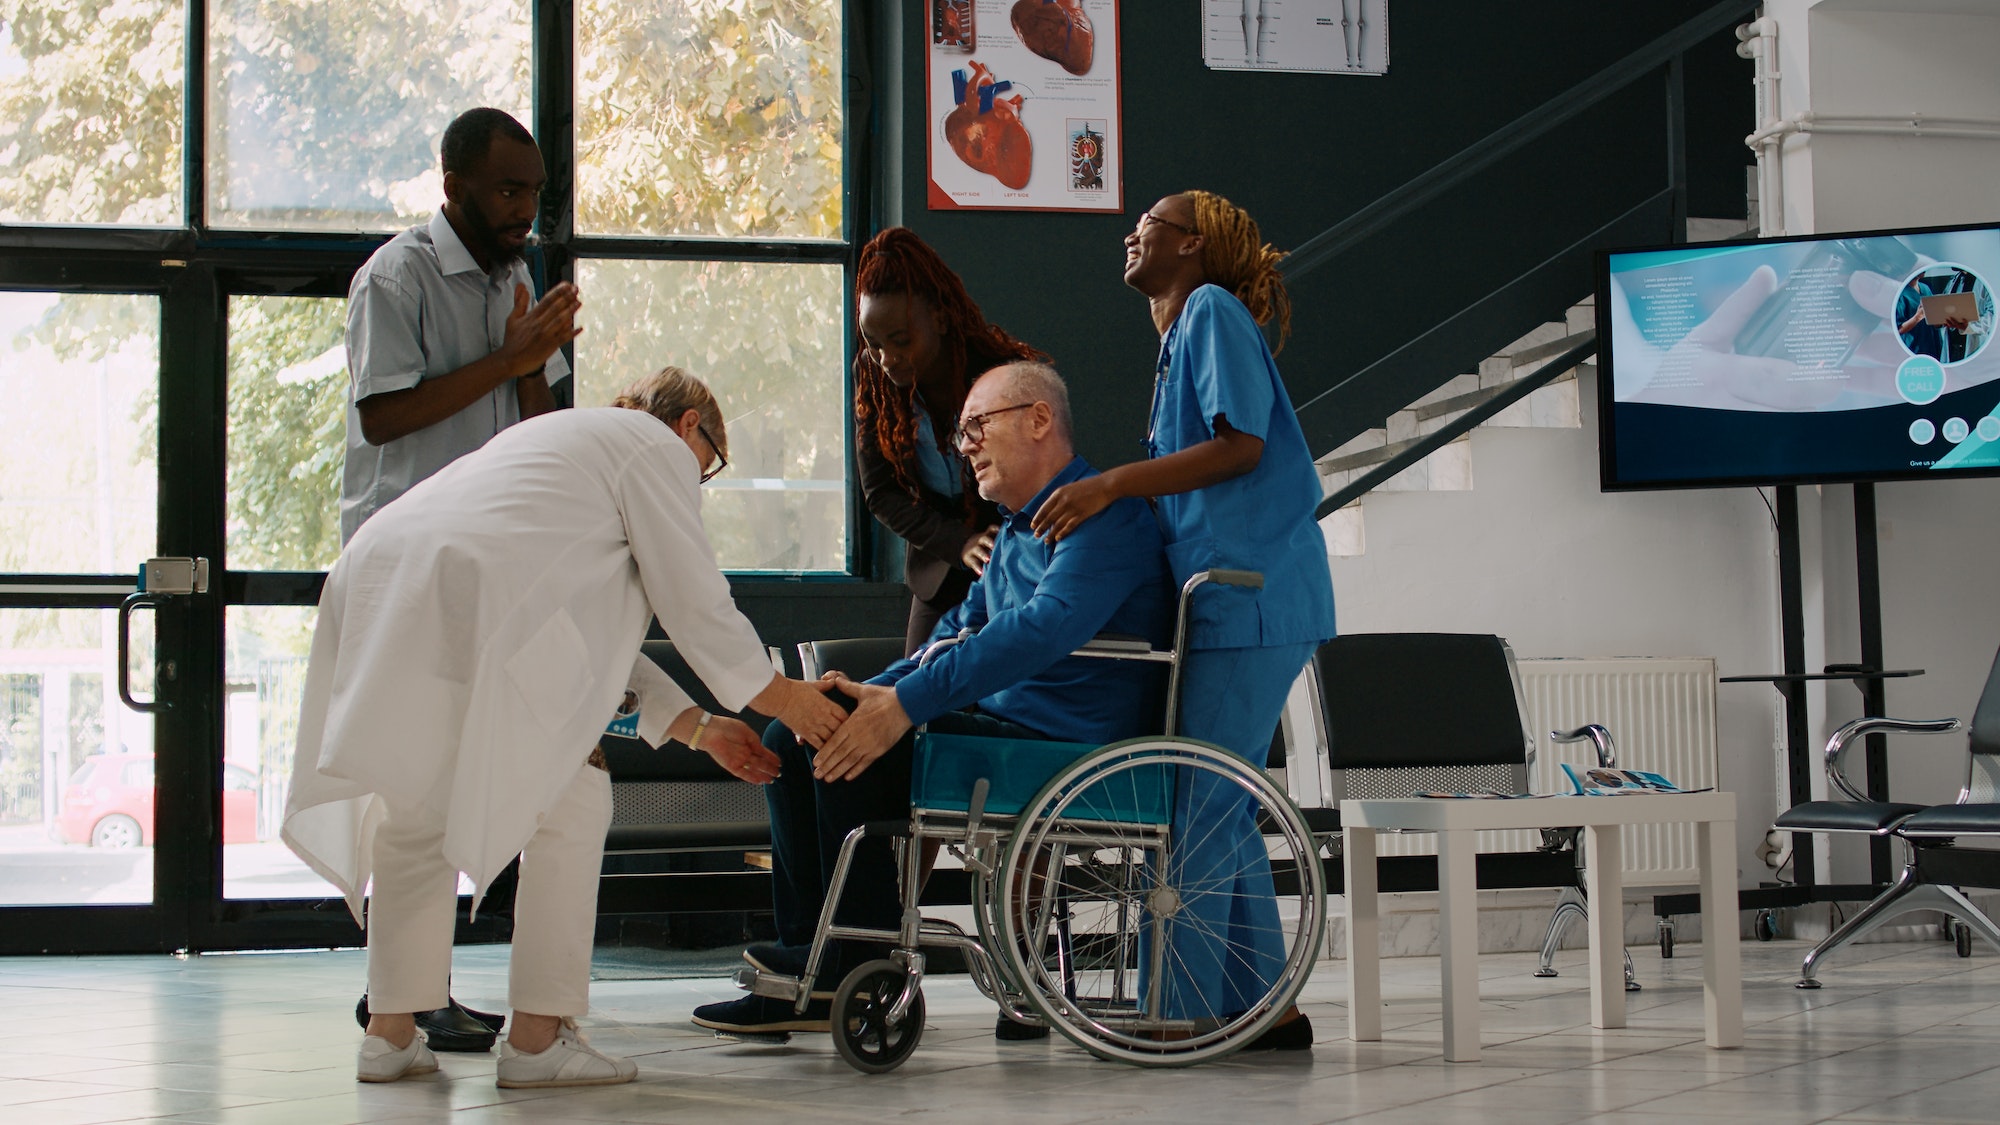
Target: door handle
<point>160,581</point>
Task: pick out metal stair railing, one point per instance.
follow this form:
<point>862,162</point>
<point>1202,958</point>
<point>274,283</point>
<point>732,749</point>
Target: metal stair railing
<point>1390,382</point>
<point>1432,442</point>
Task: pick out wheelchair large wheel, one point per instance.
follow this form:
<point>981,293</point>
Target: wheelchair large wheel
<point>863,1031</point>
<point>1161,902</point>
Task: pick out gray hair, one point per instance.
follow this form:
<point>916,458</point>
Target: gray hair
<point>670,392</point>
<point>1038,382</point>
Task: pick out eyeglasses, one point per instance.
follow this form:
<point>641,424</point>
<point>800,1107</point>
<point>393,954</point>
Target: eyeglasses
<point>972,427</point>
<point>721,462</point>
<point>1149,217</point>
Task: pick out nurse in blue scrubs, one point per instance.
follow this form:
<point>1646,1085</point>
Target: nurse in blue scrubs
<point>1236,489</point>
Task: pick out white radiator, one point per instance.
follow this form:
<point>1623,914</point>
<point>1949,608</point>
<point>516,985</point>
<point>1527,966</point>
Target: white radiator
<point>1661,715</point>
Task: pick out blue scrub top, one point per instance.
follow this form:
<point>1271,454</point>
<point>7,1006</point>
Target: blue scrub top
<point>1034,606</point>
<point>1214,361</point>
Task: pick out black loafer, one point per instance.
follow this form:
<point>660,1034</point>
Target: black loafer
<point>1012,1031</point>
<point>494,1021</point>
<point>451,1028</point>
<point>1292,1035</point>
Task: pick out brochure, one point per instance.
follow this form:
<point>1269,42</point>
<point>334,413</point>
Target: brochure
<point>1599,782</point>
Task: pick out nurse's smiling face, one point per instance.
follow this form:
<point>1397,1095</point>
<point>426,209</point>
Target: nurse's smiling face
<point>1163,246</point>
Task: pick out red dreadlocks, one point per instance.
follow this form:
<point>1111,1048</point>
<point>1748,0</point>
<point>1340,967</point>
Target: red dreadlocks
<point>897,261</point>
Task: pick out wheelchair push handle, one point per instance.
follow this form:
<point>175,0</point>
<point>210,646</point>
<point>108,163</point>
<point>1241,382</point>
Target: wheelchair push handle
<point>1243,579</point>
<point>1246,578</point>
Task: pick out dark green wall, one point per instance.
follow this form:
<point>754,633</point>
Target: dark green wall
<point>1301,152</point>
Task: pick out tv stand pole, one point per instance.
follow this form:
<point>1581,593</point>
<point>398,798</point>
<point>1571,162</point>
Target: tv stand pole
<point>1800,761</point>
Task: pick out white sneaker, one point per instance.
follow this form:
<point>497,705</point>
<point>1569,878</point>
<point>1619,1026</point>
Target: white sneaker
<point>380,1061</point>
<point>569,1061</point>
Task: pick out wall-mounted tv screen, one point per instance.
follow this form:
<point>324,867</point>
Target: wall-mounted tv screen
<point>1840,357</point>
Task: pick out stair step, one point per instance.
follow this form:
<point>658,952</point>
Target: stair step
<point>1552,348</point>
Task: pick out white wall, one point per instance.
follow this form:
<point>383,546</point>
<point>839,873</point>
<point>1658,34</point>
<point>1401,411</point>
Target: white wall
<point>1912,60</point>
<point>1847,58</point>
<point>1536,554</point>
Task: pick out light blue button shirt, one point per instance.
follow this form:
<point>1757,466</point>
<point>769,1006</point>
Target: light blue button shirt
<point>420,308</point>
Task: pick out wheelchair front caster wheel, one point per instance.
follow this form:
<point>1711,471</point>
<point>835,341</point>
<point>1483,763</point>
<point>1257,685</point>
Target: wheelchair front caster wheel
<point>862,1031</point>
<point>1961,937</point>
<point>1666,941</point>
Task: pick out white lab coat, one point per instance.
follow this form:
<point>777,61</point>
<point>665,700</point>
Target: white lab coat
<point>476,635</point>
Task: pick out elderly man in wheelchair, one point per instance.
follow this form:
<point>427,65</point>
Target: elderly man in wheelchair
<point>1078,889</point>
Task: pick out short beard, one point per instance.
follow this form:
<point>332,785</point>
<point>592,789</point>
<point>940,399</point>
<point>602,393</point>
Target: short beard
<point>488,236</point>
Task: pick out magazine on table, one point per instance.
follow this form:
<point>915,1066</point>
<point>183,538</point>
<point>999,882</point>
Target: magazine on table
<point>1598,781</point>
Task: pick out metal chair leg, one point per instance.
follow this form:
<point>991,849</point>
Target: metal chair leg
<point>1572,906</point>
<point>1906,895</point>
<point>1569,907</point>
<point>1970,916</point>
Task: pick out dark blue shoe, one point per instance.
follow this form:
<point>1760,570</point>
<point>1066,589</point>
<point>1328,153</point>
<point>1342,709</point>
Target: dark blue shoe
<point>763,1015</point>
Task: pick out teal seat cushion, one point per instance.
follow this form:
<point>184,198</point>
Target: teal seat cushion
<point>947,766</point>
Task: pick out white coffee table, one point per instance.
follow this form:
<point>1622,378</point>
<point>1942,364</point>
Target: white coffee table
<point>1456,820</point>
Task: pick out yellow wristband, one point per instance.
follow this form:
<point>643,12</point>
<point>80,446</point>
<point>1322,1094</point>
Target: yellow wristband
<point>700,725</point>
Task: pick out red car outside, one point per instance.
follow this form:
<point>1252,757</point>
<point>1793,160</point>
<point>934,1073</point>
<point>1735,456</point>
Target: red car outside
<point>109,803</point>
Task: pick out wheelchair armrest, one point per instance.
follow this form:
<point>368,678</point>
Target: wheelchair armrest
<point>1116,642</point>
<point>1859,728</point>
<point>1607,754</point>
<point>937,647</point>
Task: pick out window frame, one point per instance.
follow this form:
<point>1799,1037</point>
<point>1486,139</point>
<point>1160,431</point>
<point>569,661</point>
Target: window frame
<point>195,270</point>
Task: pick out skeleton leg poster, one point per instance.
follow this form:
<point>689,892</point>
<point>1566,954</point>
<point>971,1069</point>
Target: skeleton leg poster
<point>1319,36</point>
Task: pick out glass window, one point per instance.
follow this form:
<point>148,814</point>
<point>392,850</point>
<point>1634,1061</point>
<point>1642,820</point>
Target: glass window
<point>287,431</point>
<point>709,119</point>
<point>265,666</point>
<point>90,111</point>
<point>317,120</point>
<point>766,337</point>
<point>78,483</point>
<point>76,777</point>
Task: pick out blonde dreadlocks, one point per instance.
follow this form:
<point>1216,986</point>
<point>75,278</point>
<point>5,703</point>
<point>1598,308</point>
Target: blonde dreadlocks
<point>1235,256</point>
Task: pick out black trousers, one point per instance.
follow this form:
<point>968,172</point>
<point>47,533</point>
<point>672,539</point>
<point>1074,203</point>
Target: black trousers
<point>810,818</point>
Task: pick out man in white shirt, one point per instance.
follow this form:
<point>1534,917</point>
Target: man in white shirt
<point>445,346</point>
<point>444,350</point>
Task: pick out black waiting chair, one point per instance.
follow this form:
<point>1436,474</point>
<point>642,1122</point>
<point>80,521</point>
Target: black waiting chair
<point>672,798</point>
<point>1409,713</point>
<point>1936,866</point>
<point>858,658</point>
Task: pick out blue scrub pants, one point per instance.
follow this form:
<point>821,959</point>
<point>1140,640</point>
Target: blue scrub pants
<point>1226,947</point>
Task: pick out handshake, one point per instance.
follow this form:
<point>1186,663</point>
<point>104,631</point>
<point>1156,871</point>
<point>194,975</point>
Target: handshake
<point>848,736</point>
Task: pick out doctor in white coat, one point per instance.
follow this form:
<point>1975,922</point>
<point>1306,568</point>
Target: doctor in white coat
<point>472,639</point>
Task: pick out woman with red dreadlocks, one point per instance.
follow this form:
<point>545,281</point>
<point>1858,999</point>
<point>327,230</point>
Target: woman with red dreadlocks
<point>923,342</point>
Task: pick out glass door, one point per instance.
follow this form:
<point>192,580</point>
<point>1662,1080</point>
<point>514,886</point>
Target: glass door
<point>80,503</point>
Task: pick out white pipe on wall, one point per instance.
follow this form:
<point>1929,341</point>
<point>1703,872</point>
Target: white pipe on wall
<point>1903,125</point>
<point>1758,42</point>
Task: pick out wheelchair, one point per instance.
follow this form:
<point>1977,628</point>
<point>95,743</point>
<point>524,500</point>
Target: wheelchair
<point>1107,885</point>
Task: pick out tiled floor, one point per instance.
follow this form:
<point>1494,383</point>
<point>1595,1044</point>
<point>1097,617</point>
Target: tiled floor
<point>1906,1033</point>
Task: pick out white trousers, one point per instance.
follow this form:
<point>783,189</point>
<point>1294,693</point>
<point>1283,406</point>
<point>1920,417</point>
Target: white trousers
<point>414,898</point>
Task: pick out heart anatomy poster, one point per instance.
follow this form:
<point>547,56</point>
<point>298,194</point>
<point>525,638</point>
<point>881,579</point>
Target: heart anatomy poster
<point>1023,105</point>
<point>1317,36</point>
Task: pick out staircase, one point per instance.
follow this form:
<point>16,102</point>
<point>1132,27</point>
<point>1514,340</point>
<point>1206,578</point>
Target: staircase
<point>1553,405</point>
